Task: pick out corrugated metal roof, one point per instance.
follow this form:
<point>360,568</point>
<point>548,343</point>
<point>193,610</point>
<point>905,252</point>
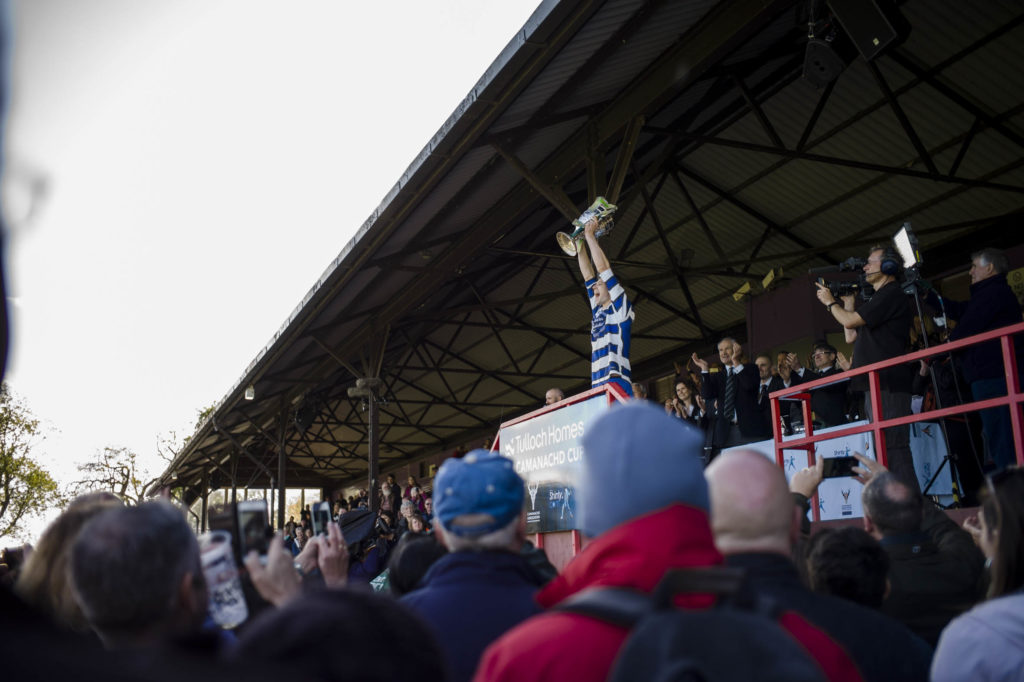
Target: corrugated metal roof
<point>455,284</point>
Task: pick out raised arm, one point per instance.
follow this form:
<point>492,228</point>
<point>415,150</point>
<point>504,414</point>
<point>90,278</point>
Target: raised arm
<point>585,266</point>
<point>600,260</point>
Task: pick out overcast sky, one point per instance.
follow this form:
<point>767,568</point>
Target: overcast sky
<point>180,172</point>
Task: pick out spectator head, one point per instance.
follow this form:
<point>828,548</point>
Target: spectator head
<point>553,396</point>
<point>726,350</point>
<point>343,635</point>
<point>428,506</point>
<point>390,478</point>
<point>417,524</point>
<point>98,497</point>
<point>1002,530</point>
<point>686,391</point>
<point>848,563</point>
<point>824,355</point>
<point>136,574</point>
<point>988,263</point>
<point>752,509</point>
<point>43,581</point>
<point>639,460</point>
<point>781,359</point>
<point>764,366</point>
<point>408,508</point>
<point>479,502</point>
<point>411,481</point>
<point>409,561</point>
<point>385,488</point>
<point>891,507</point>
<point>639,391</point>
<point>414,493</point>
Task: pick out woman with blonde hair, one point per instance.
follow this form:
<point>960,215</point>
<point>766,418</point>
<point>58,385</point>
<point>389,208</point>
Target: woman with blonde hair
<point>44,582</point>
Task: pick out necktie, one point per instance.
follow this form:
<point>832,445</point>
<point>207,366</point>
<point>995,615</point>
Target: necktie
<point>730,394</point>
<point>764,394</point>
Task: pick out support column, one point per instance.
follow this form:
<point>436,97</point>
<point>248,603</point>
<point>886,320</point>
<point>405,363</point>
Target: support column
<point>281,461</point>
<point>368,389</point>
<point>234,478</point>
<point>205,500</point>
<point>373,462</point>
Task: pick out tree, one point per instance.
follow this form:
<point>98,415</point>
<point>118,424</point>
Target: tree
<point>113,470</point>
<point>26,488</point>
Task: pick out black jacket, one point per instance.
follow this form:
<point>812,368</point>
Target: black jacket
<point>993,305</point>
<point>828,402</point>
<point>882,648</point>
<point>934,575</point>
<point>750,415</point>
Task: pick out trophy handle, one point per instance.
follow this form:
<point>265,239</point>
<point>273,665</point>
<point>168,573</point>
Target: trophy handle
<point>567,242</point>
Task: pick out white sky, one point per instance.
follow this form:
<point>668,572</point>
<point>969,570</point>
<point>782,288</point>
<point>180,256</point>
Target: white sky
<point>202,162</point>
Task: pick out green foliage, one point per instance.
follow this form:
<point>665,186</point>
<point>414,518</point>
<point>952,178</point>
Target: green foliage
<point>26,489</point>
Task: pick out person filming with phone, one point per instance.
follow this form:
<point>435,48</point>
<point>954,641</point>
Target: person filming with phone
<point>879,330</point>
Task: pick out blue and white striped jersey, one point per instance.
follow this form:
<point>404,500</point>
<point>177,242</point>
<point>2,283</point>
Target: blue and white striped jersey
<point>610,331</point>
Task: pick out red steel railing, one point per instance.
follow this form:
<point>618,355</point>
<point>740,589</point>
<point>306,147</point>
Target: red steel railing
<point>1014,397</point>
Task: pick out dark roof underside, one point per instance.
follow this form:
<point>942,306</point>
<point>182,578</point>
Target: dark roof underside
<point>455,289</point>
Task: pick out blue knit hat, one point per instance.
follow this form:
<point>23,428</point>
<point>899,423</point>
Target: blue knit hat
<point>480,482</point>
<point>638,459</point>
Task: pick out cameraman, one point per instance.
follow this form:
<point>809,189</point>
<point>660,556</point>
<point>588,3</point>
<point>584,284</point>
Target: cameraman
<point>880,330</point>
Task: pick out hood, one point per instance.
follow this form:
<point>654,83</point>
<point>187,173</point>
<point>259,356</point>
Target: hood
<point>636,554</point>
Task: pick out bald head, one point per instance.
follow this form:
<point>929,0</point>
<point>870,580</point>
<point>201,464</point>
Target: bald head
<point>752,509</point>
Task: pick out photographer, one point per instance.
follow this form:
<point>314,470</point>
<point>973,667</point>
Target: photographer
<point>880,330</point>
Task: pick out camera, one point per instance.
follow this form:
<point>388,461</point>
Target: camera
<point>320,517</point>
<point>249,525</point>
<point>840,288</point>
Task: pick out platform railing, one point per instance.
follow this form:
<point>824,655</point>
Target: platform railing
<point>802,392</point>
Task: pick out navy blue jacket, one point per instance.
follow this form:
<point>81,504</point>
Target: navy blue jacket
<point>469,599</point>
<point>993,305</point>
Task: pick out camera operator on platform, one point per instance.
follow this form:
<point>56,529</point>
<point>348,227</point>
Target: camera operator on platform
<point>880,330</point>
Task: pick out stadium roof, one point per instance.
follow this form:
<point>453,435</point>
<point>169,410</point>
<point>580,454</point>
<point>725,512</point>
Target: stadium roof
<point>724,162</point>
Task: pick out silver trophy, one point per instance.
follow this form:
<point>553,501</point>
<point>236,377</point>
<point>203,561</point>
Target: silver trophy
<point>600,209</point>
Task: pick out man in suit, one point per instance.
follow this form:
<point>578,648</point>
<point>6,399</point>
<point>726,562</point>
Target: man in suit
<point>735,391</point>
<point>827,402</point>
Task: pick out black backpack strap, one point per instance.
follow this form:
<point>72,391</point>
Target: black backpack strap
<point>618,606</point>
<point>721,581</point>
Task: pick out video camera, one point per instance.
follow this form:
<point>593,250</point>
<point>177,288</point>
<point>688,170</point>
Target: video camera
<point>905,245</point>
<point>840,288</point>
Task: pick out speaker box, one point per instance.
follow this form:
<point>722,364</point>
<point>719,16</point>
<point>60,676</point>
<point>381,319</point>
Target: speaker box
<point>821,63</point>
<point>865,24</point>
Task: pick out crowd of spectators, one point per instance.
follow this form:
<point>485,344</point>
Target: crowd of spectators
<point>908,595</point>
<point>446,586</point>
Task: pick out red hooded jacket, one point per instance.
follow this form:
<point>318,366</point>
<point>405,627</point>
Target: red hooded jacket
<point>561,646</point>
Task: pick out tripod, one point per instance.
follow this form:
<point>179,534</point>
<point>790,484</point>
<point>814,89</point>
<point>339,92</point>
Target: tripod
<point>912,286</point>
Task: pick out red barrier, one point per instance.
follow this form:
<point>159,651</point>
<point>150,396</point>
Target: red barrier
<point>1013,398</point>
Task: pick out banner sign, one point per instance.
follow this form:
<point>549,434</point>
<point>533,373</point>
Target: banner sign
<point>839,498</point>
<point>548,454</point>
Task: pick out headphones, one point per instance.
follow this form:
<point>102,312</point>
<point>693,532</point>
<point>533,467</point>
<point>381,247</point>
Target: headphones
<point>892,263</point>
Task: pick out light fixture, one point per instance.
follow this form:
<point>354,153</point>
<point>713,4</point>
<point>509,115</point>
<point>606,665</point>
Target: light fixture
<point>250,392</point>
<point>741,292</point>
<point>770,278</point>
